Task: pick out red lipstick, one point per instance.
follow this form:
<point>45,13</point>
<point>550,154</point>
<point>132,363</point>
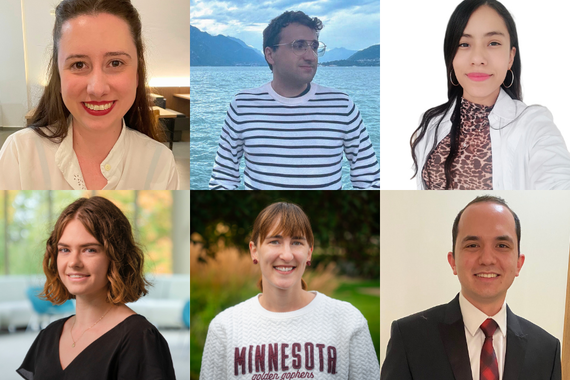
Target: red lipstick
<point>98,112</point>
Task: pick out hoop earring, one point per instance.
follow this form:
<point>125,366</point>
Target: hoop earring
<point>512,79</point>
<point>451,80</point>
<point>255,261</point>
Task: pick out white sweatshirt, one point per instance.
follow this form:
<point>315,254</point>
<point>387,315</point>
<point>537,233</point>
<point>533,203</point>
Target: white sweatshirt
<point>327,339</point>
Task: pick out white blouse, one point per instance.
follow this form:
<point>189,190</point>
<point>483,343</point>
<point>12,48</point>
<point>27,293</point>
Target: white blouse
<point>136,162</point>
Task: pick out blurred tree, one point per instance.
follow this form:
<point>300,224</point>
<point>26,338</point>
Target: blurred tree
<point>346,224</point>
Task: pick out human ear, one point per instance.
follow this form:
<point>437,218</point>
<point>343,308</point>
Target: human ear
<point>269,55</point>
<point>253,251</point>
<point>520,262</point>
<point>512,58</point>
<point>451,261</point>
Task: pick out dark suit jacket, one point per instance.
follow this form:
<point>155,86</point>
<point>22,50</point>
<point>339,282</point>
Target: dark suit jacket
<point>431,345</point>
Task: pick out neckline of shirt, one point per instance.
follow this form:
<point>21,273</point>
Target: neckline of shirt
<point>288,314</point>
<point>291,101</point>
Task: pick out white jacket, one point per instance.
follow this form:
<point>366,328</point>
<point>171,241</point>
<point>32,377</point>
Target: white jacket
<point>528,150</point>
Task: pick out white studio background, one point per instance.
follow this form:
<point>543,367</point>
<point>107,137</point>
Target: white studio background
<point>27,40</point>
<point>415,237</point>
<point>413,75</point>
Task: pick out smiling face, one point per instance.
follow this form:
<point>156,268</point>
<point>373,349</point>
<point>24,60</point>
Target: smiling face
<point>289,68</point>
<point>486,255</point>
<point>82,263</point>
<point>282,259</point>
<point>97,62</point>
<point>484,56</point>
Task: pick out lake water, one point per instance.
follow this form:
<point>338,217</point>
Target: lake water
<point>212,89</point>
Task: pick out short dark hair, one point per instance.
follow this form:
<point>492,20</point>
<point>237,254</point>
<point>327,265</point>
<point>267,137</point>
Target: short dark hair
<point>490,199</point>
<point>272,34</point>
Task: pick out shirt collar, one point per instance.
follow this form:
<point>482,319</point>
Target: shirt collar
<point>473,317</point>
<point>111,167</point>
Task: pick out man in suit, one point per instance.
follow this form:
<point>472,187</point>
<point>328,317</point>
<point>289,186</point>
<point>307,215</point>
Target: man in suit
<point>475,336</point>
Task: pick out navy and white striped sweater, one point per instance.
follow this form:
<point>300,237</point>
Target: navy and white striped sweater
<point>294,143</point>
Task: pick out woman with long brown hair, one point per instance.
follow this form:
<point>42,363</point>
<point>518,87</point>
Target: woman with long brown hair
<point>93,127</point>
<point>91,256</point>
<point>286,331</point>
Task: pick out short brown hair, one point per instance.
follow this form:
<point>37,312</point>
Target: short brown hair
<point>51,111</point>
<point>292,222</point>
<point>111,228</point>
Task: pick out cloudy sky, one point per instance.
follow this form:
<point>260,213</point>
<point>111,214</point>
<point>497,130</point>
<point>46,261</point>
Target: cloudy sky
<point>354,24</point>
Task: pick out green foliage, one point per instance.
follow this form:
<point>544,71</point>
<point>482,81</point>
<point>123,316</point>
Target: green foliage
<point>31,216</point>
<point>346,224</point>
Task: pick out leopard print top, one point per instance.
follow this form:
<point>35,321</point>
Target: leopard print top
<point>472,169</point>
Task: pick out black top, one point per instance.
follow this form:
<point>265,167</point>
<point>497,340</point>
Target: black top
<point>134,349</point>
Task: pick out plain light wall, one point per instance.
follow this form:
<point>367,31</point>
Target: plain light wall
<point>415,237</point>
<point>13,94</point>
<point>166,34</point>
<point>413,74</point>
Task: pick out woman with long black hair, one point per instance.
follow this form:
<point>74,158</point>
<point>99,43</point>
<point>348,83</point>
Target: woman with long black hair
<point>484,136</point>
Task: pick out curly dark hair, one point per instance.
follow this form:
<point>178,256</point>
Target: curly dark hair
<point>111,228</point>
<point>272,34</point>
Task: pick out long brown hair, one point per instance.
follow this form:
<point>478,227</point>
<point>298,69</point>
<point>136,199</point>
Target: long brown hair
<point>51,111</point>
<point>292,222</point>
<point>111,228</point>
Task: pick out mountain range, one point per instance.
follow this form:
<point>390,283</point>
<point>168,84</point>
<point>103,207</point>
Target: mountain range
<point>220,50</point>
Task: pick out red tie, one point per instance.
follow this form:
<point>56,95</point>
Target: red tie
<point>489,369</point>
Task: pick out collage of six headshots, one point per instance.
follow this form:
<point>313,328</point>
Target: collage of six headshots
<point>111,110</point>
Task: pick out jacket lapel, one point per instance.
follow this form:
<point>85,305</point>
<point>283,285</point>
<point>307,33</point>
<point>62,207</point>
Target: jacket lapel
<point>452,334</point>
<point>516,347</point>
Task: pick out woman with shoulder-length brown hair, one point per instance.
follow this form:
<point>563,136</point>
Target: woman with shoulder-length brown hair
<point>93,127</point>
<point>287,332</point>
<point>91,256</point>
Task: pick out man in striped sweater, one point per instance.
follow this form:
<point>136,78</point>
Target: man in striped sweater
<point>292,132</point>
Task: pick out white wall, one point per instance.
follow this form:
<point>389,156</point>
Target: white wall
<point>413,74</point>
<point>415,237</point>
<point>166,32</point>
<point>13,94</point>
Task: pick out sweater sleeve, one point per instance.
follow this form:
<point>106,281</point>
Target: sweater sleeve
<point>225,174</point>
<point>363,359</point>
<point>364,168</point>
<point>214,359</point>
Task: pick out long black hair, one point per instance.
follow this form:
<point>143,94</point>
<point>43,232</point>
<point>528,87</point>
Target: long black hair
<point>453,33</point>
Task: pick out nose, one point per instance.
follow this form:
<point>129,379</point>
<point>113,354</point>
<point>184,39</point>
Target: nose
<point>98,85</point>
<point>479,55</point>
<point>309,54</point>
<point>487,257</point>
<point>286,254</point>
<point>74,260</point>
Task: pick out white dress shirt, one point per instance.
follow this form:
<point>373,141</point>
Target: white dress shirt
<point>136,162</point>
<point>472,320</point>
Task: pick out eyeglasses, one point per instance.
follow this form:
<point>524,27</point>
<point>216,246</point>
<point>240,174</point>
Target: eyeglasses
<point>300,47</point>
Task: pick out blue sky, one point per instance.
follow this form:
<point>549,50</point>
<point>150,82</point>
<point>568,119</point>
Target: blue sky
<point>354,25</point>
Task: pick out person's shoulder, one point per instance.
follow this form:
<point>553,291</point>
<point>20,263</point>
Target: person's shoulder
<point>323,90</point>
<point>334,306</point>
<point>136,324</point>
<point>27,135</point>
<point>235,312</point>
<point>140,140</point>
<point>534,331</point>
<point>261,90</point>
<point>433,314</point>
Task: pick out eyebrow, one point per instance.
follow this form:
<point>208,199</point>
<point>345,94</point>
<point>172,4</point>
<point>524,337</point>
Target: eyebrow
<point>477,238</point>
<point>281,237</point>
<point>81,246</point>
<point>489,34</point>
<point>109,54</point>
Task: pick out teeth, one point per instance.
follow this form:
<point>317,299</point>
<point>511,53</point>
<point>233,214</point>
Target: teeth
<point>98,108</point>
<point>76,276</point>
<point>485,275</point>
<point>284,269</point>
